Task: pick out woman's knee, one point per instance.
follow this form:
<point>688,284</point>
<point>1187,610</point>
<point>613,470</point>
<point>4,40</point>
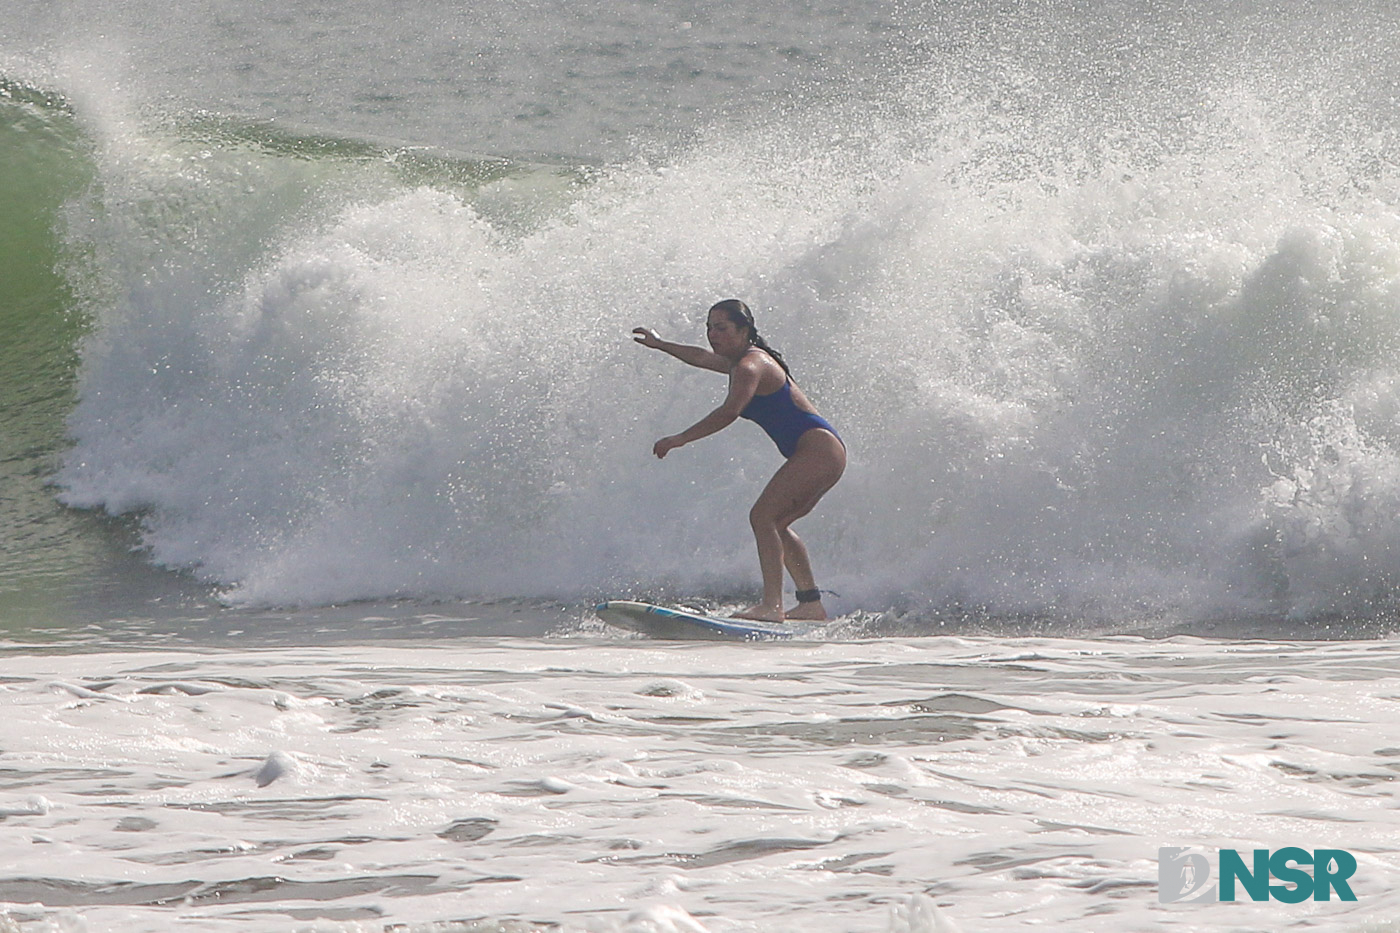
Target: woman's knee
<point>764,516</point>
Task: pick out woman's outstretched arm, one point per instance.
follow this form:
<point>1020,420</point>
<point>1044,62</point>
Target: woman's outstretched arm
<point>695,356</point>
<point>743,382</point>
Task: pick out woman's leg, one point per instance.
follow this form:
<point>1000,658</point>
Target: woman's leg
<point>770,564</point>
<point>794,490</point>
<point>799,567</point>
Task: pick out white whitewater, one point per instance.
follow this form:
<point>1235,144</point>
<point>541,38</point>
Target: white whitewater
<point>569,785</point>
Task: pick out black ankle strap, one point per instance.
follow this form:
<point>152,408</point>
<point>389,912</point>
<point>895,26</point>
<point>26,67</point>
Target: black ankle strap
<point>809,596</point>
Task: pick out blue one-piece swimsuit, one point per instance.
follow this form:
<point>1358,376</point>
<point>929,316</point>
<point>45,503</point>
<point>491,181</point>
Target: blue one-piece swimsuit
<point>779,415</point>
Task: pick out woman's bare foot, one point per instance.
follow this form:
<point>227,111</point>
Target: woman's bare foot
<point>761,613</point>
<point>808,612</point>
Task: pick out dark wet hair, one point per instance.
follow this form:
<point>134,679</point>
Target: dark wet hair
<point>739,313</point>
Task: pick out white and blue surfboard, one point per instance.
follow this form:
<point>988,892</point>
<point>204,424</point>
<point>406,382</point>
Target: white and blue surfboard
<point>686,624</point>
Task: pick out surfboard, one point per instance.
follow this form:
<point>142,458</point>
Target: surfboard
<point>685,624</point>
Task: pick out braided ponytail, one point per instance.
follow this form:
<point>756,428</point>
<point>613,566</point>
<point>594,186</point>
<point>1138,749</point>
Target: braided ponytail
<point>740,314</point>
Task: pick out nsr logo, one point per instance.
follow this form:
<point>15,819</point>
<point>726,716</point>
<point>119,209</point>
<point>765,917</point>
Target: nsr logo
<point>1183,876</point>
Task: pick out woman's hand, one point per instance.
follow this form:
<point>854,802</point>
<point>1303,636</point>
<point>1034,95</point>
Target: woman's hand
<point>667,444</point>
<point>647,337</point>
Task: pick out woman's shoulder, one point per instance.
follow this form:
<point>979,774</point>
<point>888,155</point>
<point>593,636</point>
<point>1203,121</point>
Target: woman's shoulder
<point>771,374</point>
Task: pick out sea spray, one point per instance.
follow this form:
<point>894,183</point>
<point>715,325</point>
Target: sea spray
<point>1081,373</point>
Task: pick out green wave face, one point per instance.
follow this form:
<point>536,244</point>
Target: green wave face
<point>46,164</point>
<point>58,566</point>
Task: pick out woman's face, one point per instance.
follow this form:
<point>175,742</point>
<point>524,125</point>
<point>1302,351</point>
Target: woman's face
<point>726,337</point>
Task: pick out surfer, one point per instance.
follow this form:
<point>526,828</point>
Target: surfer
<point>761,389</point>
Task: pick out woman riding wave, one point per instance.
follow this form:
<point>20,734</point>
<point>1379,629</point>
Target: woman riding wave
<point>761,389</point>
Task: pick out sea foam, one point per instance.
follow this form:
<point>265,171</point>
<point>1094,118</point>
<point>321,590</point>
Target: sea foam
<point>1079,372</point>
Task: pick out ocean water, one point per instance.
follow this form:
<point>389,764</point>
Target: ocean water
<point>321,431</point>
